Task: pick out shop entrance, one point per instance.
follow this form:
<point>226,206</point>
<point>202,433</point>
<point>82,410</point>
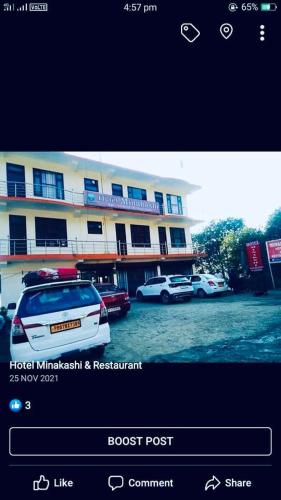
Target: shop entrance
<point>99,273</point>
<point>136,277</point>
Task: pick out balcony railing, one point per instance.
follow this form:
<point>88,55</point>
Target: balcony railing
<point>41,192</point>
<point>14,189</point>
<point>11,248</point>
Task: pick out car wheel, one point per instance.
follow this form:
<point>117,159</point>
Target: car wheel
<point>140,297</point>
<point>165,297</point>
<point>201,293</point>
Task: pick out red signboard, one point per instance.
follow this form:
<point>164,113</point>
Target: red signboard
<point>274,251</point>
<point>255,261</point>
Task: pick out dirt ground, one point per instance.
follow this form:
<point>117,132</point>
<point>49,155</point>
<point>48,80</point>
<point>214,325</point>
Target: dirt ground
<point>238,328</point>
<point>234,328</point>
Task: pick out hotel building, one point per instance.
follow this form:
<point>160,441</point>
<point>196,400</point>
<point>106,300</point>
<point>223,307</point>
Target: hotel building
<point>112,223</point>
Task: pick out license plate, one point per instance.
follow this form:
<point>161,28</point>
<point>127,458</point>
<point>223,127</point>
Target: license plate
<point>112,309</point>
<point>185,286</point>
<point>221,284</point>
<point>67,325</point>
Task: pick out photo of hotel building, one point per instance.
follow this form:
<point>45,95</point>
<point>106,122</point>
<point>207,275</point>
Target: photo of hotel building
<point>112,223</point>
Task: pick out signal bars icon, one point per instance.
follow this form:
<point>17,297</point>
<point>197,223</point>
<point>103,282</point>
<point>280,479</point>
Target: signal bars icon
<point>11,7</point>
<point>25,7</point>
<point>8,7</point>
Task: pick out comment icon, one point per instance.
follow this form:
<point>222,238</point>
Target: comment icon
<point>115,482</point>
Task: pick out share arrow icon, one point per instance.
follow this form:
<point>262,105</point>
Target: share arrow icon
<point>212,483</point>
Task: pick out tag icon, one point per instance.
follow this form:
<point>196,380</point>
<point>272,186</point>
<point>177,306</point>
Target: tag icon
<point>189,32</point>
<point>226,30</point>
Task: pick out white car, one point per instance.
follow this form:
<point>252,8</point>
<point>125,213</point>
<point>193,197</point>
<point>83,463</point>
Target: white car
<point>56,319</point>
<point>167,288</point>
<point>207,284</point>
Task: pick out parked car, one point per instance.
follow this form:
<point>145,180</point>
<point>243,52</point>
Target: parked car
<point>58,318</point>
<point>207,284</point>
<point>167,288</point>
<point>117,300</point>
<point>11,310</point>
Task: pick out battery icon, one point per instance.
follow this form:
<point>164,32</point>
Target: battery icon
<point>268,7</point>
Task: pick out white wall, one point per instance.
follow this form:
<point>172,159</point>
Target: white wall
<point>12,274</point>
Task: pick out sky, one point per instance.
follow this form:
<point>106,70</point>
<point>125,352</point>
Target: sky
<point>233,184</point>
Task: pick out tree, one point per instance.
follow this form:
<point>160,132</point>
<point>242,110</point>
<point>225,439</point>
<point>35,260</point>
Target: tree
<point>234,245</point>
<point>273,226</point>
<point>211,238</point>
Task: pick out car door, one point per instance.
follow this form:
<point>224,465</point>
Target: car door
<point>146,288</point>
<point>196,282</point>
<point>151,287</point>
<point>157,285</point>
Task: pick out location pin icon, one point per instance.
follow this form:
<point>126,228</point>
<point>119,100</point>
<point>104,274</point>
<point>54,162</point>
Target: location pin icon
<point>226,30</point>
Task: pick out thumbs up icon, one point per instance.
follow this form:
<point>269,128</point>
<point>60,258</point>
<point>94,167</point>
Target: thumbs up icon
<point>41,484</point>
<point>15,405</point>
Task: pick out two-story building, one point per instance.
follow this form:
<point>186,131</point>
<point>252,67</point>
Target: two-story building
<point>112,223</point>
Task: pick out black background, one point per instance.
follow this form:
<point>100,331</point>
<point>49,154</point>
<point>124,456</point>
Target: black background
<point>90,76</point>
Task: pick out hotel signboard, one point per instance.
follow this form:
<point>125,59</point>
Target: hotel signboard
<point>274,251</point>
<point>120,203</point>
<point>254,255</point>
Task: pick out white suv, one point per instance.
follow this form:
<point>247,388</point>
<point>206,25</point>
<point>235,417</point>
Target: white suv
<point>56,319</point>
<point>167,288</point>
<point>207,284</point>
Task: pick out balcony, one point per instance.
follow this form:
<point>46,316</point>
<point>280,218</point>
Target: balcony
<point>39,249</point>
<point>23,194</point>
<point>26,192</point>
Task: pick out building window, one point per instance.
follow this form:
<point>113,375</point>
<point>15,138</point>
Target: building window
<point>48,184</point>
<point>140,236</point>
<point>50,232</point>
<point>156,281</point>
<point>117,189</point>
<point>174,204</point>
<point>159,199</point>
<point>94,227</point>
<point>137,193</point>
<point>178,237</point>
<point>91,185</point>
<point>15,180</point>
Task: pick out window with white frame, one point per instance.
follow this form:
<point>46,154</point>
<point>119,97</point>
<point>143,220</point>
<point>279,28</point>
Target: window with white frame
<point>174,204</point>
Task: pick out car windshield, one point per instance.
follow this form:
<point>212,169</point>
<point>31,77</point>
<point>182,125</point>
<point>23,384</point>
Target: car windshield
<point>106,288</point>
<point>49,300</point>
<point>210,276</point>
<point>178,279</point>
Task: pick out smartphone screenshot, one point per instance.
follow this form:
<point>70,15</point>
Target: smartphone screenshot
<point>140,249</point>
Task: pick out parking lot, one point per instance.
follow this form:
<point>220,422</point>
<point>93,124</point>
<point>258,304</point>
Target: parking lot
<point>238,328</point>
<point>222,329</point>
